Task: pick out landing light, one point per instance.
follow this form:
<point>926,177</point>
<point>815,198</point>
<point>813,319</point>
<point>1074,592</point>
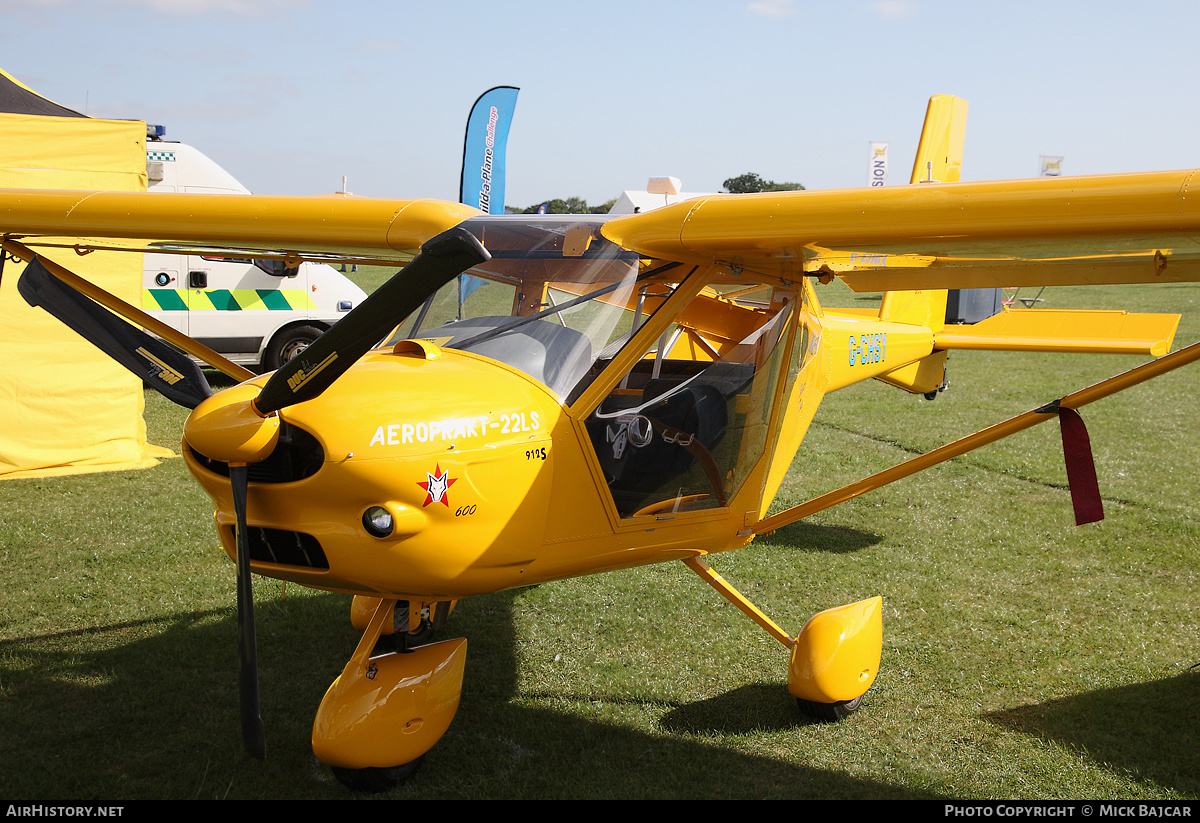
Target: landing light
<point>378,521</point>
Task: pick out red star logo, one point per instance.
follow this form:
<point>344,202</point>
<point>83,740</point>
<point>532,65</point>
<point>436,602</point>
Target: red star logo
<point>436,485</point>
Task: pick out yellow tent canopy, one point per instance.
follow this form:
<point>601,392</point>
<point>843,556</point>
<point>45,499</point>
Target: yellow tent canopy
<point>64,406</point>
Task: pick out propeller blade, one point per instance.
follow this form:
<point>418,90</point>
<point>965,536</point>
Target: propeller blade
<point>160,365</point>
<point>311,372</point>
<point>253,735</point>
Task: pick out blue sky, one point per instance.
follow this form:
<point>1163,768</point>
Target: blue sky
<point>290,95</point>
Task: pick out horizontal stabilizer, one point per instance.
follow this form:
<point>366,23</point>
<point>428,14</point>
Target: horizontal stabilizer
<point>1057,330</point>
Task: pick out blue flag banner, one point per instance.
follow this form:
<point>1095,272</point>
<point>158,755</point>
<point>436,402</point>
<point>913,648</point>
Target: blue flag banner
<point>482,183</point>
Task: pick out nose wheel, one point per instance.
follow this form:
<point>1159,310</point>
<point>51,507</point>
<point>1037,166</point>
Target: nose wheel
<point>374,780</point>
<point>413,623</point>
<point>384,712</point>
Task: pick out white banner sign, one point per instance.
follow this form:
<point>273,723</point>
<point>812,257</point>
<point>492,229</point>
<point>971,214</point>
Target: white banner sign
<point>1049,166</point>
<point>877,165</point>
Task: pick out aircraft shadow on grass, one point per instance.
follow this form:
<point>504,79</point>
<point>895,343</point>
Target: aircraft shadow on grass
<point>175,691</point>
<point>1160,746</point>
<point>811,537</point>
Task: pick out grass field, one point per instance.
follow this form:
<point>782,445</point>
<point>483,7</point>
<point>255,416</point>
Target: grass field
<point>1024,657</point>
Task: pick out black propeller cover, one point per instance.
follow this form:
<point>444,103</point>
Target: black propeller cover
<point>160,365</point>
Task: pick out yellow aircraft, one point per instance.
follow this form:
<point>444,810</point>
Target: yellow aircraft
<point>619,391</point>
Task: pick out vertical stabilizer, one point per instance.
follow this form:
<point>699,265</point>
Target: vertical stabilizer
<point>939,160</point>
<point>940,152</point>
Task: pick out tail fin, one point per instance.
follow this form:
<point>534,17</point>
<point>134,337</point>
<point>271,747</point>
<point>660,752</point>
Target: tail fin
<point>939,154</point>
<point>938,160</point>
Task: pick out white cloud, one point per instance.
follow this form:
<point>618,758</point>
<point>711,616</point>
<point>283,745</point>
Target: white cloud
<point>772,8</point>
<point>895,9</point>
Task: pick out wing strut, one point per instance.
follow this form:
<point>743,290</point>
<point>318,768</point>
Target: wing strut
<point>1087,503</point>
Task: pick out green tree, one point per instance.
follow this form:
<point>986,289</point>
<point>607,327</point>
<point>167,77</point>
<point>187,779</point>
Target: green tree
<point>751,182</point>
<point>571,205</point>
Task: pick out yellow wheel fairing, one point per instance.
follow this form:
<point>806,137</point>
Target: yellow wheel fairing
<point>392,711</point>
<point>836,656</point>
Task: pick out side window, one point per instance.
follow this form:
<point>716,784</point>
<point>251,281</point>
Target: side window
<point>687,425</point>
<point>273,267</point>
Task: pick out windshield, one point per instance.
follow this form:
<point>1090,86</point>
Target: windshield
<point>555,298</point>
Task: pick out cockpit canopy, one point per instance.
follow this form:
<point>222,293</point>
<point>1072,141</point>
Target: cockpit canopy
<point>685,422</point>
<point>554,298</point>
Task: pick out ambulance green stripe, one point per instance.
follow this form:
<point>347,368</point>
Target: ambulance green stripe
<point>226,300</point>
<point>221,299</point>
<point>274,299</point>
<point>164,299</point>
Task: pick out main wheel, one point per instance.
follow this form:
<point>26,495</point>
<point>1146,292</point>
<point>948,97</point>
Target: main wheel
<point>829,712</point>
<point>376,779</point>
<point>287,344</point>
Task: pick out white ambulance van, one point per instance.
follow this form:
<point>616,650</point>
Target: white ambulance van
<point>254,312</point>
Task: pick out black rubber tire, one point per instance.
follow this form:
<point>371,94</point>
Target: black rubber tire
<point>376,779</point>
<point>829,712</point>
<point>287,344</point>
<point>423,633</point>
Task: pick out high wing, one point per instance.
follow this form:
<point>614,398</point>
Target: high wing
<point>1130,228</point>
<point>295,228</point>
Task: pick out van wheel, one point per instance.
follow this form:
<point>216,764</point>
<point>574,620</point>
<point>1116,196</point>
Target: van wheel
<point>287,344</point>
